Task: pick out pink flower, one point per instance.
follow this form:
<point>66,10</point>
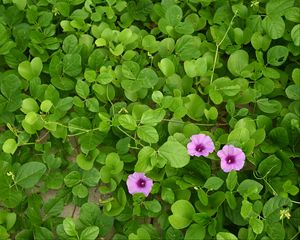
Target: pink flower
<point>232,158</point>
<point>139,183</point>
<point>200,145</point>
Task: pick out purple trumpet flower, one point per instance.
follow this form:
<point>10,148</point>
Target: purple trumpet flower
<point>232,158</point>
<point>200,145</point>
<point>139,183</point>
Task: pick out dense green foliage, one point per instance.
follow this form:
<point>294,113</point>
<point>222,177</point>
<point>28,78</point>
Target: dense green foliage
<point>93,90</point>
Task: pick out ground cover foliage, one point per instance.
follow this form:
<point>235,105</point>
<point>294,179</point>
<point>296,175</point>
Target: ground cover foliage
<point>92,91</point>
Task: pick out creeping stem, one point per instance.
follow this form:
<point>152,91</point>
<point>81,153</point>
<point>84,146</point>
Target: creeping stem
<point>219,44</point>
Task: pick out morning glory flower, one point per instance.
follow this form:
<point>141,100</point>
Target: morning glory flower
<point>232,158</point>
<point>139,183</point>
<point>200,145</point>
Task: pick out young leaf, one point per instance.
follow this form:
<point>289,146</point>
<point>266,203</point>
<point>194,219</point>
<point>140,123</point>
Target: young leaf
<point>69,227</point>
<point>89,233</point>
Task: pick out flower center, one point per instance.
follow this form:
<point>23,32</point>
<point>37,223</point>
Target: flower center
<point>141,183</point>
<point>230,159</point>
<point>200,148</point>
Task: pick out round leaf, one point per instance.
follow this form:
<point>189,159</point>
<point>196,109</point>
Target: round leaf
<point>175,153</point>
<point>277,55</point>
<point>148,134</point>
<point>10,146</point>
<point>29,174</point>
<point>183,212</point>
<point>237,62</point>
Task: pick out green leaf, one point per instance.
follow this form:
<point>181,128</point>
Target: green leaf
<point>70,44</point>
<point>231,200</point>
<point>141,234</point>
<point>3,233</point>
<point>91,177</point>
<point>10,219</point>
<point>29,174</point>
<point>272,207</point>
<point>260,41</point>
<point>226,236</point>
<point>275,230</point>
<point>256,224</point>
<point>82,89</point>
<point>202,195</point>
<point>187,47</point>
<point>130,69</point>
<point>10,146</point>
<point>231,180</point>
<point>167,67</point>
<point>92,105</point>
<point>269,106</point>
<point>247,123</point>
<point>250,188</point>
<point>72,64</point>
<point>259,136</point>
<point>148,134</point>
<point>69,227</point>
<point>173,15</point>
<point>72,179</point>
<point>89,233</point>
<point>114,163</point>
<point>277,55</point>
<point>29,105</point>
<point>239,136</point>
<point>80,191</point>
<point>153,117</point>
<point>10,86</point>
<point>182,216</point>
<point>127,122</point>
<point>269,166</point>
<point>279,135</point>
<point>213,183</point>
<point>274,26</point>
<point>10,197</point>
<point>83,162</point>
<point>147,78</point>
<point>89,141</point>
<point>30,70</point>
<point>152,206</point>
<point>21,4</point>
<point>295,34</point>
<point>144,159</point>
<point>265,86</point>
<point>195,231</point>
<point>195,106</point>
<point>211,114</point>
<point>237,62</point>
<point>150,44</point>
<point>215,96</point>
<point>175,153</point>
<point>292,14</point>
<point>278,7</point>
<point>293,92</point>
<point>117,205</point>
<point>167,195</point>
<point>43,233</point>
<point>246,209</point>
<point>194,68</point>
<point>296,76</point>
<point>46,105</point>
